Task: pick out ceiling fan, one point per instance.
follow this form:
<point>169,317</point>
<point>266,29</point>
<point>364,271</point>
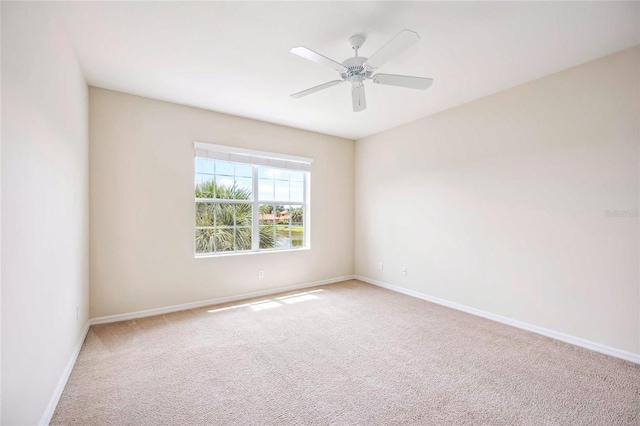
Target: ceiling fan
<point>358,69</point>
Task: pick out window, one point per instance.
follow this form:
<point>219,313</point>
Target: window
<point>249,201</point>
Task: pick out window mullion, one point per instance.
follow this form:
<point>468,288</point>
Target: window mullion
<point>215,229</point>
<point>290,231</point>
<point>255,210</point>
<point>306,225</point>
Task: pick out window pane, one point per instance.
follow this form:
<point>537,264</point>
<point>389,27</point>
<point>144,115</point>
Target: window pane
<point>297,215</point>
<point>296,176</point>
<point>297,192</point>
<point>243,189</point>
<point>297,226</point>
<point>244,170</point>
<point>224,168</point>
<point>266,215</point>
<point>267,236</point>
<point>200,178</point>
<point>225,214</point>
<point>297,236</point>
<point>208,166</point>
<point>284,215</point>
<point>280,174</point>
<point>204,186</point>
<point>283,237</point>
<point>283,228</point>
<point>266,173</point>
<point>243,215</point>
<point>205,214</point>
<point>243,239</point>
<point>281,215</point>
<point>204,241</point>
<point>224,239</point>
<point>265,190</point>
<point>204,165</point>
<point>282,190</point>
<point>224,187</point>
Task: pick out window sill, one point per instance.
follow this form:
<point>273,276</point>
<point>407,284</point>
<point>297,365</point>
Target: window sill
<point>244,253</point>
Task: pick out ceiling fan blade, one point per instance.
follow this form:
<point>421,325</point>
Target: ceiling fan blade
<point>403,81</point>
<point>359,101</point>
<point>316,89</point>
<point>303,52</point>
<point>393,48</point>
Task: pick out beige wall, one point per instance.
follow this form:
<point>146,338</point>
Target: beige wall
<point>44,208</point>
<point>499,204</point>
<point>142,210</point>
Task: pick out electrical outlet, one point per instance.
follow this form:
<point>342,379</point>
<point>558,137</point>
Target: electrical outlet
<point>404,270</point>
<point>380,266</point>
<point>260,273</point>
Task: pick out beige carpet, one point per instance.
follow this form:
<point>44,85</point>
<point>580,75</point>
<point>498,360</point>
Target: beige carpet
<point>342,354</point>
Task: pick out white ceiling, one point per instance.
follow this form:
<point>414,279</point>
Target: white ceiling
<point>233,57</point>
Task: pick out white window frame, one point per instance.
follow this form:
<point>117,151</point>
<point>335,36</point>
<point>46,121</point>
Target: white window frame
<point>258,159</point>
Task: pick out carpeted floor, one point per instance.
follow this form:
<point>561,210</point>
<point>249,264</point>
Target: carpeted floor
<point>342,354</point>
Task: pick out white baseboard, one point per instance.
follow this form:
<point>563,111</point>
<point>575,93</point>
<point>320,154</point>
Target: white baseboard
<point>607,350</point>
<point>217,301</point>
<point>57,393</point>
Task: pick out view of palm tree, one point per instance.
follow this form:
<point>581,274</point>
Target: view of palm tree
<point>225,227</point>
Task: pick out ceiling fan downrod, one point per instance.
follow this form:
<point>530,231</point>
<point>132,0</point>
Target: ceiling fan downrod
<point>356,42</point>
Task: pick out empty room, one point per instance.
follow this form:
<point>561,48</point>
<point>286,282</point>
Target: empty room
<point>320,213</point>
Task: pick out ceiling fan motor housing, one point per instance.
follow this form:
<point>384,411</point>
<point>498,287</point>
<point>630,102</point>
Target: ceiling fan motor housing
<point>354,67</point>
